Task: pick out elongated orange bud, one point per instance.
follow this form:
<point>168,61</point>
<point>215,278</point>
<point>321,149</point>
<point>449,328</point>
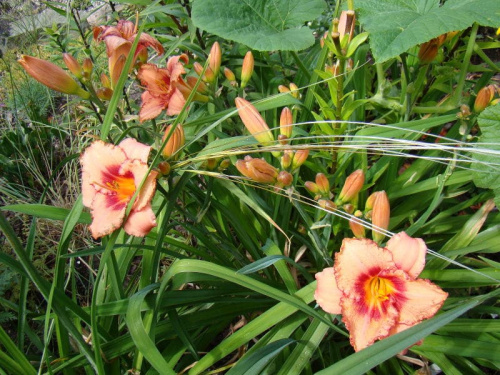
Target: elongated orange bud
<point>174,143</point>
<point>357,229</point>
<point>323,185</point>
<point>299,158</point>
<point>286,159</point>
<point>484,98</point>
<point>229,74</point>
<point>346,24</point>
<point>215,58</point>
<point>380,213</point>
<point>73,65</point>
<point>312,187</point>
<point>202,88</point>
<point>352,186</point>
<point>52,76</point>
<point>257,169</point>
<point>87,67</point>
<point>247,69</point>
<point>286,121</point>
<point>254,122</point>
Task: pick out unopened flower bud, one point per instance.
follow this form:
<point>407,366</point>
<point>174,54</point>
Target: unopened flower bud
<point>174,143</point>
<point>214,59</point>
<point>254,122</point>
<point>164,168</point>
<point>88,66</point>
<point>283,89</point>
<point>104,93</point>
<point>299,158</point>
<point>247,68</point>
<point>294,90</point>
<point>327,204</point>
<point>349,208</point>
<point>357,228</point>
<point>52,76</point>
<point>286,121</point>
<point>428,51</point>
<point>346,24</point>
<point>312,187</point>
<point>257,169</point>
<point>284,179</point>
<point>282,139</point>
<point>379,205</point>
<point>323,185</point>
<point>210,164</point>
<point>484,98</point>
<point>352,186</point>
<point>73,65</point>
<point>202,87</point>
<point>224,164</point>
<point>105,81</point>
<point>229,74</point>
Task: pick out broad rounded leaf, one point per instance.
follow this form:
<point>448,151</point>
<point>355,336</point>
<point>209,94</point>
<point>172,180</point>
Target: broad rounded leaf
<point>486,167</point>
<point>263,25</point>
<point>397,25</point>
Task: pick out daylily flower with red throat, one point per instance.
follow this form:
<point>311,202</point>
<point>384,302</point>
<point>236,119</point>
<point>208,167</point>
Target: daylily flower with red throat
<point>119,40</point>
<point>110,177</point>
<point>162,88</point>
<point>376,289</point>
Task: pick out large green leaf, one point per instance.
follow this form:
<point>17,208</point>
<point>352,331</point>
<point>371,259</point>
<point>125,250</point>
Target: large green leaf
<point>264,25</point>
<point>397,25</point>
<point>487,168</point>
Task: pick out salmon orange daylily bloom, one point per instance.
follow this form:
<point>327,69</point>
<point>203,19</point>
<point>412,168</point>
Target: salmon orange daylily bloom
<point>119,40</point>
<point>162,88</point>
<point>376,289</point>
<point>110,177</point>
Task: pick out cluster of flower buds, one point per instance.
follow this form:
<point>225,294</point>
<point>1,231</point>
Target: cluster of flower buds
<point>213,164</point>
<point>261,171</point>
<point>214,61</point>
<point>292,89</point>
<point>342,33</point>
<point>53,76</point>
<point>485,97</point>
<point>320,188</point>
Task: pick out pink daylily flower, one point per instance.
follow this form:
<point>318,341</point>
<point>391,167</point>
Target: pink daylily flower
<point>119,40</point>
<point>376,289</point>
<point>162,88</point>
<point>110,177</point>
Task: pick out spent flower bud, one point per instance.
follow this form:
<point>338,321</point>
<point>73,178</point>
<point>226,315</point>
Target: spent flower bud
<point>258,170</point>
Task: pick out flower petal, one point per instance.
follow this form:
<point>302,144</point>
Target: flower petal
<point>327,294</point>
<point>422,299</point>
<point>408,253</point>
<point>135,150</point>
<point>156,80</point>
<point>107,215</point>
<point>358,257</point>
<point>139,170</point>
<point>176,68</point>
<point>151,106</point>
<point>139,223</point>
<point>148,41</point>
<point>176,103</point>
<point>364,329</point>
<point>98,161</point>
